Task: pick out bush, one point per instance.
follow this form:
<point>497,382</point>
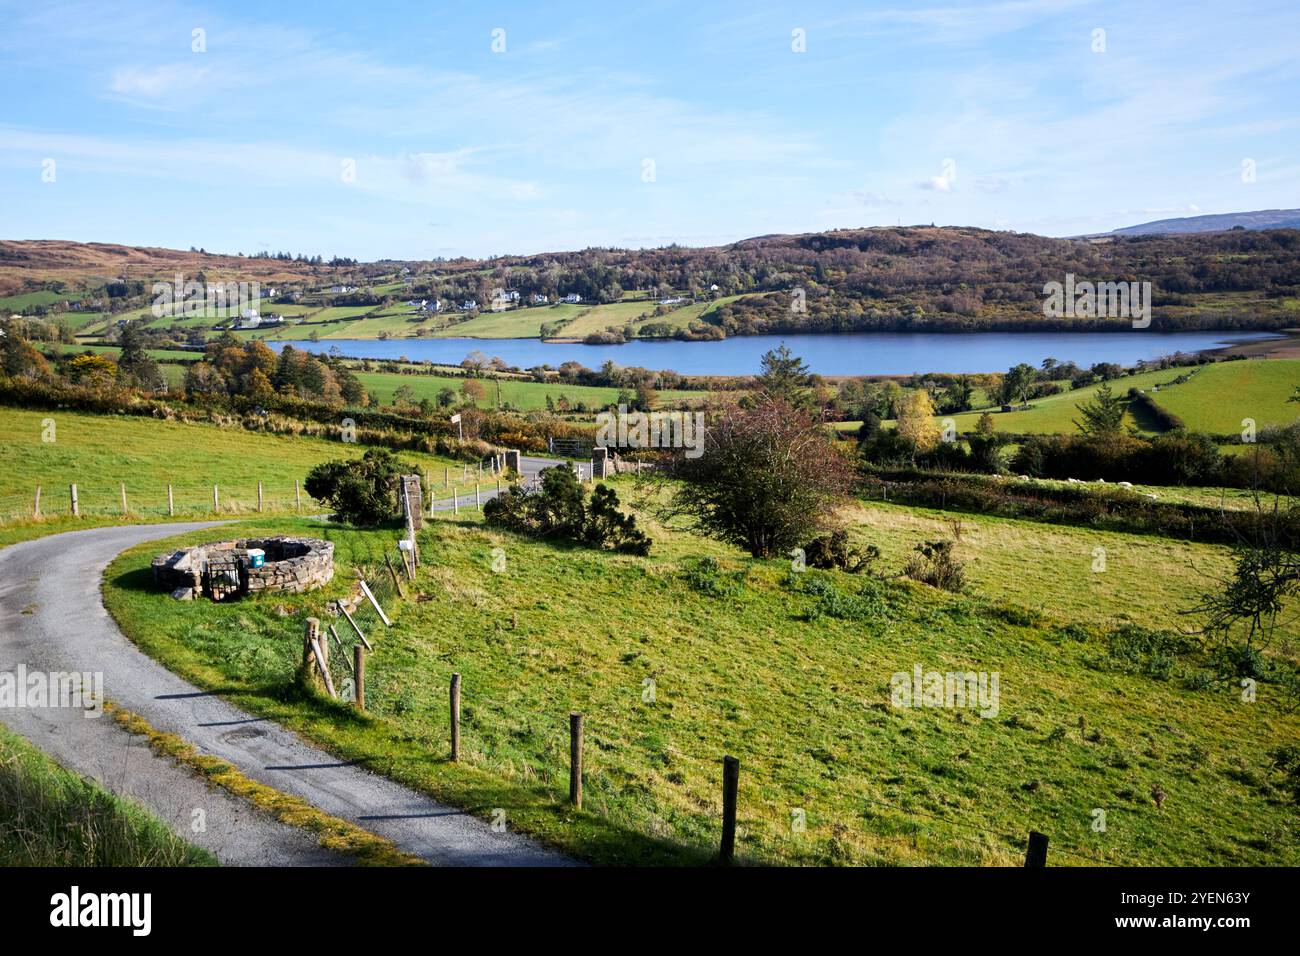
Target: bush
<point>559,509</point>
<point>935,563</point>
<point>707,577</point>
<point>364,491</point>
<point>832,552</point>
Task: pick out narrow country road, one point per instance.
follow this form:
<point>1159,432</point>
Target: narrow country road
<point>52,618</point>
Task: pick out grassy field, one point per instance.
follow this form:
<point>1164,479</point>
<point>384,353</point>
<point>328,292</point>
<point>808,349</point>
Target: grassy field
<point>618,314</point>
<point>1214,399</point>
<point>16,303</point>
<point>521,393</point>
<point>1219,396</point>
<point>52,817</point>
<point>512,324</point>
<point>998,550</point>
<point>99,452</point>
<point>1055,414</point>
<point>791,674</point>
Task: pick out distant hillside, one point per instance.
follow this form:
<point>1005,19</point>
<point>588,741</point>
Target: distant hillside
<point>917,278</point>
<point>1260,219</point>
<point>85,265</point>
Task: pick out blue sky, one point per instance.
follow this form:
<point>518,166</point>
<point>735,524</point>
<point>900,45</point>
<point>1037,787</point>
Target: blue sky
<point>999,115</point>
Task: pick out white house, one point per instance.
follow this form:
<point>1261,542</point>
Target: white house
<point>468,305</point>
<point>539,299</point>
<point>343,289</point>
<point>573,297</point>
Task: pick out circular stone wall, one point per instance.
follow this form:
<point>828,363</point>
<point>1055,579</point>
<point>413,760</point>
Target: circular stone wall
<point>291,564</point>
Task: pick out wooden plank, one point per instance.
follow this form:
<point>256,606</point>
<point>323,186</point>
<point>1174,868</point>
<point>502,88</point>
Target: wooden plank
<point>355,628</point>
<point>365,589</point>
<point>320,662</point>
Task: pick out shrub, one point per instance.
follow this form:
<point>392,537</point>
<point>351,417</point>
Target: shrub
<point>364,491</point>
<point>832,552</point>
<point>559,509</point>
<point>936,564</point>
<point>707,577</point>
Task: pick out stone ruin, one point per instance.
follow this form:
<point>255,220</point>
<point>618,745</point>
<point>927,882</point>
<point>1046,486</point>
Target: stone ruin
<point>223,570</point>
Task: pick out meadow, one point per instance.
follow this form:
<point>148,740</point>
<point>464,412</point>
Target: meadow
<point>99,452</point>
<point>675,663</point>
<point>618,314</point>
<point>1219,396</point>
<point>522,394</point>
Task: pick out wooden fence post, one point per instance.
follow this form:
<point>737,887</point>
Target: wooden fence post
<point>359,674</point>
<point>397,582</point>
<point>216,501</point>
<point>478,499</point>
<point>730,787</point>
<point>455,503</point>
<point>36,506</point>
<point>171,502</point>
<point>259,496</point>
<point>72,495</point>
<point>312,651</point>
<point>575,760</point>
<point>1037,854</point>
<point>297,494</point>
<point>455,716</point>
<point>123,497</point>
<point>446,477</point>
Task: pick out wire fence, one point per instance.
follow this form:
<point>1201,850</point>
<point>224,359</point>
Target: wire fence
<point>154,499</point>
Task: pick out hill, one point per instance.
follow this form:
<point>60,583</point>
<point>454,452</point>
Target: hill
<point>921,278</point>
<point>1260,219</point>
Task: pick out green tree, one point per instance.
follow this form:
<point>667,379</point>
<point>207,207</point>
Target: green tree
<point>1103,417</point>
<point>1017,383</point>
<point>363,491</point>
<point>785,378</point>
<point>769,479</point>
<point>135,366</point>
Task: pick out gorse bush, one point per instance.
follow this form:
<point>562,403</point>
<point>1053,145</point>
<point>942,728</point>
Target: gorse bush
<point>936,564</point>
<point>829,601</point>
<point>707,576</point>
<point>831,552</point>
<point>365,491</point>
<point>560,509</point>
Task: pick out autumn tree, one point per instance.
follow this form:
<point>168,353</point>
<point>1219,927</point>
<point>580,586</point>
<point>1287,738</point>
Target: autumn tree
<point>768,478</point>
<point>916,424</point>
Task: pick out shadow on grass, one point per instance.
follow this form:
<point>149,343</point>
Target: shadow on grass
<point>140,580</point>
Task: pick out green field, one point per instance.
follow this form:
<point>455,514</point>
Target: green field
<point>754,664</point>
<point>512,324</point>
<point>1219,396</point>
<point>522,394</point>
<point>16,303</point>
<point>99,452</point>
<point>618,314</point>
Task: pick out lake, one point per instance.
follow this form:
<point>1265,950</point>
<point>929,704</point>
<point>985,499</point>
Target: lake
<point>857,353</point>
